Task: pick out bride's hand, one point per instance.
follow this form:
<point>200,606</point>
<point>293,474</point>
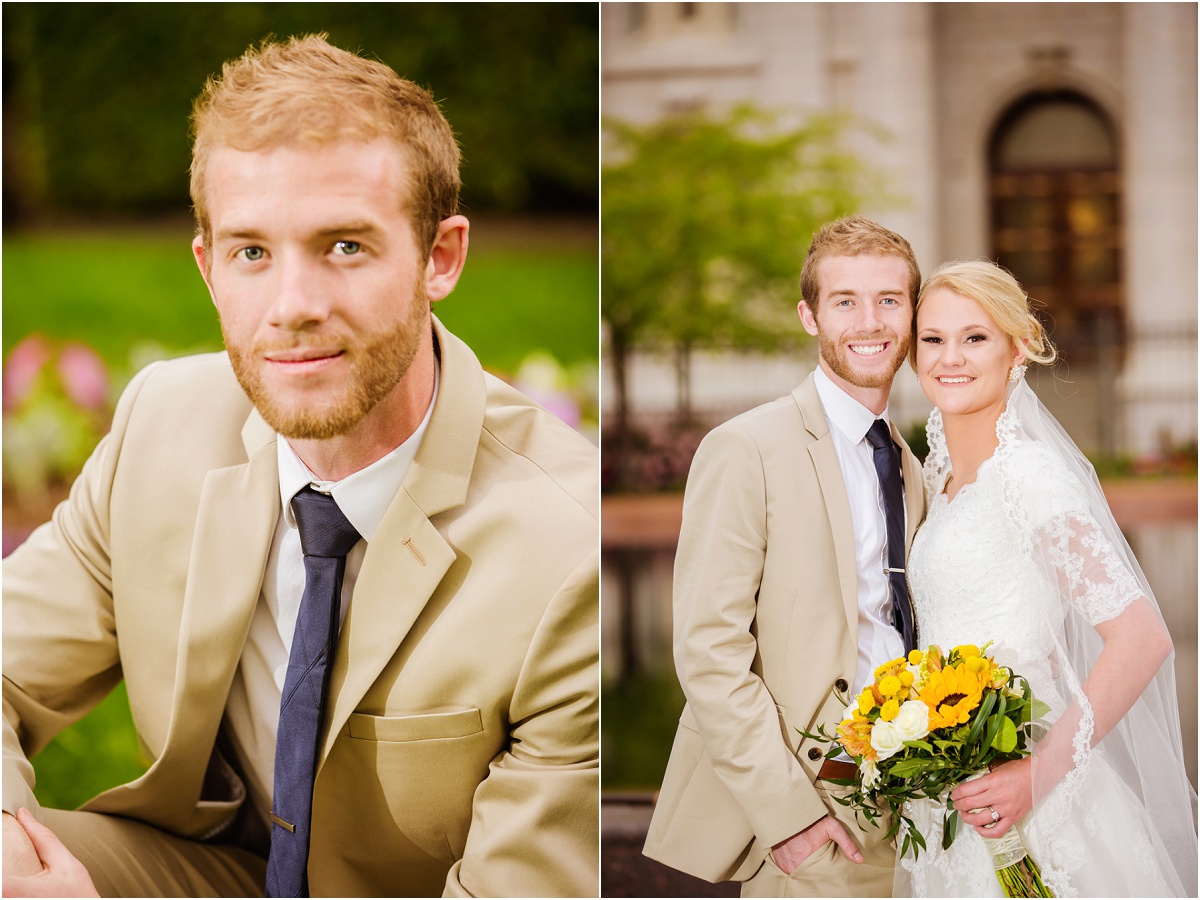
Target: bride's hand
<point>1007,789</point>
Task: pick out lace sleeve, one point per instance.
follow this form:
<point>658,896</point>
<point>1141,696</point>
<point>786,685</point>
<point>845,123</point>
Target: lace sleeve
<point>1090,572</point>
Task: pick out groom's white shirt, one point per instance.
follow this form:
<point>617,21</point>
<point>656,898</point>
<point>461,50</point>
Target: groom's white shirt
<point>849,421</point>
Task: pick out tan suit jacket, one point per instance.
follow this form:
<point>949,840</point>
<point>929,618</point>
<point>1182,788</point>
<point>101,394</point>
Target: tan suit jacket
<point>766,630</point>
<point>461,743</point>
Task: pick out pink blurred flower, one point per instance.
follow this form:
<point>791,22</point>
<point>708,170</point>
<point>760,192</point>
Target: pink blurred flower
<point>83,375</point>
<point>25,361</point>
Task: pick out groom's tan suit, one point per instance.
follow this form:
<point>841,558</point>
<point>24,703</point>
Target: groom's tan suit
<point>766,625</point>
<point>460,749</point>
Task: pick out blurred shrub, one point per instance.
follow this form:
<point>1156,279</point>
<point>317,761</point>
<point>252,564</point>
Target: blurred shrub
<point>650,459</point>
<point>57,406</point>
<point>97,95</point>
<point>572,394</point>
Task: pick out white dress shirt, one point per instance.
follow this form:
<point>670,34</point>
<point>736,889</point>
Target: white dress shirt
<point>257,688</point>
<point>849,421</point>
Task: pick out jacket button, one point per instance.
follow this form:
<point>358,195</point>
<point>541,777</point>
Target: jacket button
<point>841,684</point>
<point>814,754</point>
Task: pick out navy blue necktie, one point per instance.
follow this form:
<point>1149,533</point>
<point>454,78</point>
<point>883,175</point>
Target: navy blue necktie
<point>887,466</point>
<point>326,536</point>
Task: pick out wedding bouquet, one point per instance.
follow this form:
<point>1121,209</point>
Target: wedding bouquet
<point>927,723</point>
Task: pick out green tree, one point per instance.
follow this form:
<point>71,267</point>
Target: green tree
<point>97,95</point>
<point>705,223</point>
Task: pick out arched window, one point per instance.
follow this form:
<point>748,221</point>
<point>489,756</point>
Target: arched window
<point>1055,208</point>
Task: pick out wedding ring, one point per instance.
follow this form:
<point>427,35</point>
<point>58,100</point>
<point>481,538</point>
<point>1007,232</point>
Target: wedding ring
<point>995,817</point>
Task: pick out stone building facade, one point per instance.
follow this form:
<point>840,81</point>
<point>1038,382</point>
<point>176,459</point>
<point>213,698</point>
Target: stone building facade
<point>1057,138</point>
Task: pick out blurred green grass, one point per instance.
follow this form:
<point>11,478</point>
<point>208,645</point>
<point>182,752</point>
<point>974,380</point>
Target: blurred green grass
<point>114,291</point>
<point>637,726</point>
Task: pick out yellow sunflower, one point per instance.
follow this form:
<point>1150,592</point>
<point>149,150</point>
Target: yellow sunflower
<point>951,695</point>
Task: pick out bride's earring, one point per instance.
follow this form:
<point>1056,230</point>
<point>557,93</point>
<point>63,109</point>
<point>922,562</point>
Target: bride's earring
<point>1016,373</point>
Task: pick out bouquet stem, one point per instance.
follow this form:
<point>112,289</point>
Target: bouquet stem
<point>1019,874</point>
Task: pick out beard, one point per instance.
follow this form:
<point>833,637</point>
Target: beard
<point>378,360</point>
<point>840,359</point>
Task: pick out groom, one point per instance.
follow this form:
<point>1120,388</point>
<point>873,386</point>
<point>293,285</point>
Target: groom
<point>783,599</point>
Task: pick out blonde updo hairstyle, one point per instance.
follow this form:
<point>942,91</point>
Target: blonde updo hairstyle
<point>1000,296</point>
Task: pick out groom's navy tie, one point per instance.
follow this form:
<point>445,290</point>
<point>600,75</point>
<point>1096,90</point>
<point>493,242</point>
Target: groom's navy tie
<point>326,536</point>
<point>887,467</point>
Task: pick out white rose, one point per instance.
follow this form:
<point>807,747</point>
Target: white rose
<point>911,723</point>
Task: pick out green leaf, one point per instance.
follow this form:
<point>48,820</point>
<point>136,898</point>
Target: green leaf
<point>907,768</point>
<point>1006,738</point>
<point>950,829</point>
<point>918,838</point>
<point>989,736</point>
<point>981,715</point>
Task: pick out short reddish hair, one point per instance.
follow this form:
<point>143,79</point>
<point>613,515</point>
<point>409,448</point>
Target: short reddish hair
<point>854,236</point>
<point>306,90</point>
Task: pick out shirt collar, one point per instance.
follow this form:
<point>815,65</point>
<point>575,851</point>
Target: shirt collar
<point>363,496</point>
<point>845,413</point>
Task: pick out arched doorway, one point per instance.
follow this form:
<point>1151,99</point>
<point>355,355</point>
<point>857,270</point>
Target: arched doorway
<point>1055,201</point>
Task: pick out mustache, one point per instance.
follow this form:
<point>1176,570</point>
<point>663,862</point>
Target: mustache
<point>323,341</point>
<point>879,336</point>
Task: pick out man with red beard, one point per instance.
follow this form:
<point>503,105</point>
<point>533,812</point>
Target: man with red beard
<point>789,592</point>
<point>349,579</point>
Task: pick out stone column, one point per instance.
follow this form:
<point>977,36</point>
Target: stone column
<point>882,71</point>
<point>1158,386</point>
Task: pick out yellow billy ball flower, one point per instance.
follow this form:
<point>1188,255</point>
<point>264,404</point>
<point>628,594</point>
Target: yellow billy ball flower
<point>889,685</point>
<point>906,678</point>
<point>968,651</point>
<point>915,657</point>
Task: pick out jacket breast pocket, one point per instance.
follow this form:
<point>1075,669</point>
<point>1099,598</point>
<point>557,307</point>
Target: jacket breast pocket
<point>413,777</point>
<point>439,725</point>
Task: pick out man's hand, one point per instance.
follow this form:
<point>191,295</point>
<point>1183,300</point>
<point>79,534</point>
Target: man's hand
<point>19,856</point>
<point>51,871</point>
<point>791,853</point>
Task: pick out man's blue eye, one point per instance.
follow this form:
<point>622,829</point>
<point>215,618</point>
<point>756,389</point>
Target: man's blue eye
<point>348,248</point>
<point>253,254</point>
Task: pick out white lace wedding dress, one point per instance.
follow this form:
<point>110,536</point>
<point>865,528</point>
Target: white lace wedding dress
<point>975,577</point>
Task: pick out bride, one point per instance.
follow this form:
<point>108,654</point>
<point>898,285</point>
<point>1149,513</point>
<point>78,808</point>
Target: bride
<point>1019,548</point>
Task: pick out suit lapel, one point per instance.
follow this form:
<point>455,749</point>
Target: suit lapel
<point>833,489</point>
<point>235,522</point>
<point>392,589</point>
<point>407,557</point>
<point>914,490</point>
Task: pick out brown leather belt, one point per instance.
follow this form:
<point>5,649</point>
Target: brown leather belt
<point>833,768</point>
